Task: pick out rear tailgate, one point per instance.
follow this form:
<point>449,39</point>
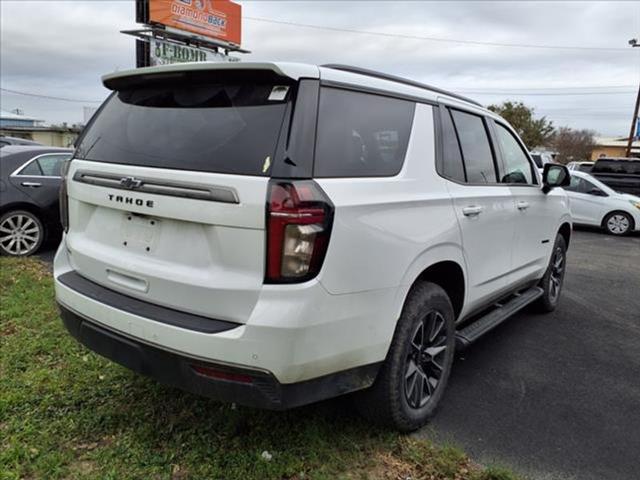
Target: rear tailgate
<point>168,186</point>
<point>199,256</point>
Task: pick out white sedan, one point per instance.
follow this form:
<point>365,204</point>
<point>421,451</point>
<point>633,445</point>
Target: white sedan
<point>594,203</point>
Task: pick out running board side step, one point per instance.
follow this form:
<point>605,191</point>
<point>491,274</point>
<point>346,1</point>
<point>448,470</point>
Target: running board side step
<point>495,317</point>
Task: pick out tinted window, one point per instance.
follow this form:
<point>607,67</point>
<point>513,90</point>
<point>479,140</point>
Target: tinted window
<point>580,185</point>
<point>476,150</point>
<point>452,158</point>
<point>31,169</point>
<point>361,135</point>
<point>604,166</point>
<point>588,187</point>
<point>617,166</point>
<point>576,185</point>
<point>213,126</point>
<point>585,168</point>
<point>537,159</point>
<point>51,164</point>
<point>516,164</point>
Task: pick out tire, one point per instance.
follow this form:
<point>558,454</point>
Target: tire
<point>392,401</point>
<point>618,223</point>
<point>21,233</point>
<point>553,279</point>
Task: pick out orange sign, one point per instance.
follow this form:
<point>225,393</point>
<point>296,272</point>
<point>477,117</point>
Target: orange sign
<point>219,19</point>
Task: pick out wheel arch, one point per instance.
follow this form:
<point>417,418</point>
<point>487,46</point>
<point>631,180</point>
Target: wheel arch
<point>443,265</point>
<point>450,276</point>
<point>565,231</point>
<point>29,207</point>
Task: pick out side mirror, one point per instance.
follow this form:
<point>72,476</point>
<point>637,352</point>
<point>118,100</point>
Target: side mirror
<point>555,175</point>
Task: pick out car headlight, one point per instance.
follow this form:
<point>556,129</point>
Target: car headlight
<point>635,204</point>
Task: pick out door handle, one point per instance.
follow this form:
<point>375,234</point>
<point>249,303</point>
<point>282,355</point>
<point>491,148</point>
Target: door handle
<point>472,210</point>
<point>31,184</point>
<point>522,205</point>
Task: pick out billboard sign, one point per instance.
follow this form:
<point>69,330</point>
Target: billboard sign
<point>165,53</point>
<point>215,19</point>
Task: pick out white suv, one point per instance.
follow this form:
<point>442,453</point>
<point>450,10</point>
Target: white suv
<point>275,234</point>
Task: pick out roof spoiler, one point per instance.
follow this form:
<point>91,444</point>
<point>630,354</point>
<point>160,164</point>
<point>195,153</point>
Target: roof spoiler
<point>118,80</point>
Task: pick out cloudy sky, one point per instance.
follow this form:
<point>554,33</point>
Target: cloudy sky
<point>61,48</point>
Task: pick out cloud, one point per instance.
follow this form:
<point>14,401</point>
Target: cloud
<point>62,48</point>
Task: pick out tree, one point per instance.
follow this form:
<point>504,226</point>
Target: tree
<point>534,132</point>
<point>573,144</point>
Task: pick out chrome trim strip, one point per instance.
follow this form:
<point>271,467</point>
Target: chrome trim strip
<point>197,191</point>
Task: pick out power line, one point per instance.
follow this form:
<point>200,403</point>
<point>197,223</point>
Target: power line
<point>436,39</point>
<point>528,94</point>
<point>586,87</point>
<point>49,97</point>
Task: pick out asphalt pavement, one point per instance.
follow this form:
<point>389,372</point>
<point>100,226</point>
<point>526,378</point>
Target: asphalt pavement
<point>556,396</point>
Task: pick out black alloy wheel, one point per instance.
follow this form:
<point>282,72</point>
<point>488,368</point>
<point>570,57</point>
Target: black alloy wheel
<point>425,360</point>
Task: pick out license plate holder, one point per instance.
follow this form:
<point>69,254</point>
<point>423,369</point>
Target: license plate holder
<point>140,232</point>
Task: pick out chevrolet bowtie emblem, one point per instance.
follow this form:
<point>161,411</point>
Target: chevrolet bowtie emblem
<point>130,182</point>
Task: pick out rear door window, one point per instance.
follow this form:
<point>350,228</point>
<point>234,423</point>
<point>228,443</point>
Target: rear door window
<point>52,164</point>
<point>476,149</point>
<point>361,134</point>
<point>210,125</point>
<point>31,169</point>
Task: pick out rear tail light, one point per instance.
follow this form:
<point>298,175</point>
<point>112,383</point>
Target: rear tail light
<point>64,199</point>
<point>299,219</point>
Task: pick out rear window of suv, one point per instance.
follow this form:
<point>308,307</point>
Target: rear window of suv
<point>208,125</point>
<point>361,134</point>
<point>605,165</point>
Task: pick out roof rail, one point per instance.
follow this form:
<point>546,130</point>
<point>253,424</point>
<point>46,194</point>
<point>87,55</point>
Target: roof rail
<point>393,78</point>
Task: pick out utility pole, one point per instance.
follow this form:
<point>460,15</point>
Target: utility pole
<point>634,43</point>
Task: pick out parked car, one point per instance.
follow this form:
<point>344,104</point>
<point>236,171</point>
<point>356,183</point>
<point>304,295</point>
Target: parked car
<point>541,158</point>
<point>275,234</point>
<point>4,141</point>
<point>580,166</point>
<point>621,174</point>
<point>29,182</point>
<point>594,203</point>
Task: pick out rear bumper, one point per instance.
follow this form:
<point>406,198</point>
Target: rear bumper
<point>297,333</point>
<point>253,388</point>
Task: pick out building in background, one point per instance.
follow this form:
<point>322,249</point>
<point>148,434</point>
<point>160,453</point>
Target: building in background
<point>17,119</point>
<point>614,147</point>
<point>14,124</point>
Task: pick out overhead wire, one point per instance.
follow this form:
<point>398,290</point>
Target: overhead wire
<point>49,97</point>
<point>436,39</point>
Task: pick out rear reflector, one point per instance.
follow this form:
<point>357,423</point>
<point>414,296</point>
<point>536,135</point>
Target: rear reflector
<point>221,374</point>
<point>299,219</point>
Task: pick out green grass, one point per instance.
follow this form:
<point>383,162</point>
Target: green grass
<point>68,413</point>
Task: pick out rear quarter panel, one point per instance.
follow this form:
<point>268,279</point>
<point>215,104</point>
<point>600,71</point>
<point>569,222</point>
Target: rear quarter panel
<point>388,230</point>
